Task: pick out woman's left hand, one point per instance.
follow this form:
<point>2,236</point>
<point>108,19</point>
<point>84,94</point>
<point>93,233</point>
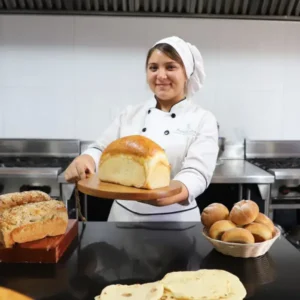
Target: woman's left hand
<point>182,197</point>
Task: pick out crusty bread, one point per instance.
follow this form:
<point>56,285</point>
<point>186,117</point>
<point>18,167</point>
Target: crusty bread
<point>135,161</point>
<point>260,232</point>
<point>263,219</point>
<point>213,213</point>
<point>218,228</point>
<point>32,222</point>
<point>244,212</point>
<point>14,199</point>
<point>238,235</point>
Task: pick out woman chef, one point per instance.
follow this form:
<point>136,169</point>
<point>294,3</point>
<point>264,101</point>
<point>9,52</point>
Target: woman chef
<point>187,132</point>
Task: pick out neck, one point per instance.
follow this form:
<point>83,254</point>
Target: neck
<point>166,105</point>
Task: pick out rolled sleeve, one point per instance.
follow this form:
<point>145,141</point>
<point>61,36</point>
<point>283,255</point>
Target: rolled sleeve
<point>200,162</point>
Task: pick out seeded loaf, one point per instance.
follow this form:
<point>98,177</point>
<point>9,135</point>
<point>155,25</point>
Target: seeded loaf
<point>32,221</point>
<point>15,199</point>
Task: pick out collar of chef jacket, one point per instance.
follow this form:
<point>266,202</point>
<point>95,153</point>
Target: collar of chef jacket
<point>175,108</point>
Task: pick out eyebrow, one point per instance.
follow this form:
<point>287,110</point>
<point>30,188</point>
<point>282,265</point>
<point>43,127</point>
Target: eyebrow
<point>166,63</point>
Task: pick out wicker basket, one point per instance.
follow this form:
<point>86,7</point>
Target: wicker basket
<point>242,250</point>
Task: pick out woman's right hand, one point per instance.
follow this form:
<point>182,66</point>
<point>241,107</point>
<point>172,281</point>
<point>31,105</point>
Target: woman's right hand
<point>79,168</point>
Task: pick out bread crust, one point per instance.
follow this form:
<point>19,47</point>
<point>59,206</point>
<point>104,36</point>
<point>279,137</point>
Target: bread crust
<point>15,199</point>
<point>238,235</point>
<point>32,222</point>
<point>136,145</point>
<point>218,228</point>
<point>213,213</point>
<point>244,212</point>
<point>263,219</point>
<point>260,232</point>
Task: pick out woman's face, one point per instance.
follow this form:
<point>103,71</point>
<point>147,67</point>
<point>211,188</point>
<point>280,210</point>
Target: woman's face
<point>166,77</point>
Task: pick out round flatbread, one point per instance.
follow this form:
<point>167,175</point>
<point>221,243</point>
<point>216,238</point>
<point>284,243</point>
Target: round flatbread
<point>146,291</point>
<point>204,284</point>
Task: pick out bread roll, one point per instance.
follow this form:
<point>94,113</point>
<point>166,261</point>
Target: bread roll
<point>218,228</point>
<point>244,212</point>
<point>32,222</point>
<point>238,235</point>
<point>15,199</point>
<point>213,213</point>
<point>263,219</point>
<point>260,232</point>
<point>135,161</point>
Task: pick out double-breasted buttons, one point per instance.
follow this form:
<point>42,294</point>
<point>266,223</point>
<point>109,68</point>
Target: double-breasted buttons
<point>149,111</point>
<point>144,129</point>
<point>173,115</point>
<point>166,132</point>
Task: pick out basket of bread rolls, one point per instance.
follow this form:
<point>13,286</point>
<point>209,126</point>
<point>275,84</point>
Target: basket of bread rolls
<point>241,232</point>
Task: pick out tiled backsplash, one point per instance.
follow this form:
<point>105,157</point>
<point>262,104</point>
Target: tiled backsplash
<point>67,77</point>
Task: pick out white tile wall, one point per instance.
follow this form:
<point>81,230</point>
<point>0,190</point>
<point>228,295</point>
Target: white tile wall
<point>68,77</point>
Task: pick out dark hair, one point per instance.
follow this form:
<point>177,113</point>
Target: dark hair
<point>167,50</point>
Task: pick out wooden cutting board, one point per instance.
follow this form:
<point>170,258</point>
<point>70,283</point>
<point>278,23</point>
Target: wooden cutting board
<point>94,187</point>
<point>47,250</point>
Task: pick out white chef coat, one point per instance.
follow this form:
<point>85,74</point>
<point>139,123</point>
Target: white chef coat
<point>188,134</point>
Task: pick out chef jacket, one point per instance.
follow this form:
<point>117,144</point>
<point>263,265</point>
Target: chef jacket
<point>188,134</point>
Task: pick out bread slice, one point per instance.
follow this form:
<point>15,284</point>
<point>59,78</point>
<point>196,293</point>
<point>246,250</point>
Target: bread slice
<point>32,222</point>
<point>135,161</point>
<point>15,199</point>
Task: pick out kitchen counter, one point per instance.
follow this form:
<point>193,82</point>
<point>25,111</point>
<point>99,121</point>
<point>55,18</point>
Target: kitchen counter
<point>108,253</point>
<point>231,171</point>
<point>240,171</point>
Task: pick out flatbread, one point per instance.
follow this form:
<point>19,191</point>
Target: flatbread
<point>204,284</point>
<point>146,291</point>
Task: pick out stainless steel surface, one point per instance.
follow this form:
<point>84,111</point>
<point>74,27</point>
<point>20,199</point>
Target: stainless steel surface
<point>281,174</point>
<point>233,151</point>
<point>39,147</point>
<point>221,144</point>
<point>234,9</point>
<point>240,171</point>
<point>29,173</point>
<point>16,184</point>
<point>27,164</point>
<point>282,160</point>
<point>272,148</point>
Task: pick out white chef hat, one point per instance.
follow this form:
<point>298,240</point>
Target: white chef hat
<point>192,60</point>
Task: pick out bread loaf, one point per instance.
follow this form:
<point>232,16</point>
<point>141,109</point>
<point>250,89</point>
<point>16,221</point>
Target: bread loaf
<point>32,221</point>
<point>15,199</point>
<point>244,212</point>
<point>135,161</point>
<point>213,213</point>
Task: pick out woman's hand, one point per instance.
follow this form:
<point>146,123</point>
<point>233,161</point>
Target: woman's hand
<point>79,168</point>
<point>182,198</point>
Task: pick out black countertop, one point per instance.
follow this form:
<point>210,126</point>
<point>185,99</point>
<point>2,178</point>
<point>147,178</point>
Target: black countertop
<point>107,253</point>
